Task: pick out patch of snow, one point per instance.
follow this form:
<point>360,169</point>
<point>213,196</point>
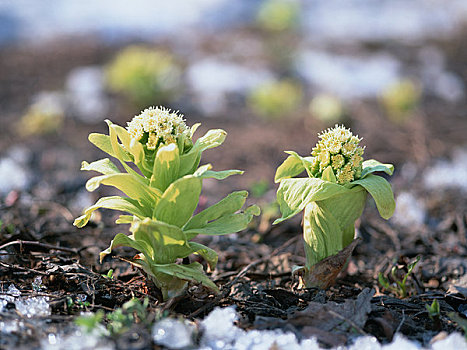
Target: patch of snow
<point>436,79</point>
<point>50,102</point>
<point>33,306</point>
<point>267,339</point>
<point>401,342</point>
<point>83,199</point>
<point>448,174</point>
<point>7,327</point>
<point>78,340</point>
<point>13,291</point>
<point>347,76</point>
<point>172,333</point>
<point>453,341</point>
<point>448,86</point>
<point>410,211</point>
<point>218,328</point>
<point>113,19</point>
<point>342,21</point>
<point>13,176</point>
<point>37,285</point>
<point>219,332</point>
<point>365,343</point>
<point>211,80</point>
<point>85,92</point>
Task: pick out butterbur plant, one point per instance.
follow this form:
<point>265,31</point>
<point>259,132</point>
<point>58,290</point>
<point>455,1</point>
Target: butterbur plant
<point>162,182</point>
<point>332,196</point>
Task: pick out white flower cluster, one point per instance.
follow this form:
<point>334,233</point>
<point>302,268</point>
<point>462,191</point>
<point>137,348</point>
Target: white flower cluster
<point>340,149</point>
<point>158,126</point>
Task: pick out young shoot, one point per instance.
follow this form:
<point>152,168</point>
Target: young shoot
<point>399,286</point>
<point>332,196</point>
<point>162,191</point>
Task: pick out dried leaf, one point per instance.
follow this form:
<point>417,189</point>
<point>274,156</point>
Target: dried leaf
<point>341,318</point>
<point>324,273</point>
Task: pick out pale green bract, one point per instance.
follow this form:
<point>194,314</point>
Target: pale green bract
<point>161,198</point>
<point>330,208</point>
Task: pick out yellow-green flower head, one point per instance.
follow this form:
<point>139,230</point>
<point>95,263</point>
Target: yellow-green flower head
<point>157,126</point>
<point>339,149</point>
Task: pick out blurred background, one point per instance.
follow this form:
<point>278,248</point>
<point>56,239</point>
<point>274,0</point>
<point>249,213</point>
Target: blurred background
<point>272,73</point>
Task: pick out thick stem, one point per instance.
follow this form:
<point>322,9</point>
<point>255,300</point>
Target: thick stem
<point>328,225</point>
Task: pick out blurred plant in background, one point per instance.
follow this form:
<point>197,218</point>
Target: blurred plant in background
<point>400,100</point>
<point>326,108</point>
<point>279,21</point>
<point>44,116</point>
<point>275,99</point>
<point>278,15</point>
<point>145,76</point>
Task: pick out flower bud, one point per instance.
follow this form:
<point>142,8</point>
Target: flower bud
<point>156,127</point>
<point>339,149</point>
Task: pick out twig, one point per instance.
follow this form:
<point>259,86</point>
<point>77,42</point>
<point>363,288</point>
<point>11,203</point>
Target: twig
<point>39,244</point>
<point>401,323</point>
<point>10,266</point>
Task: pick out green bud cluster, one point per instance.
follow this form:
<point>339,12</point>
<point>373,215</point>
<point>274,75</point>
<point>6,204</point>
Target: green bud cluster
<point>339,149</point>
<point>156,127</point>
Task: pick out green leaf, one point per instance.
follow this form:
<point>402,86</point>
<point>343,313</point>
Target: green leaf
<point>114,202</point>
<point>292,166</point>
<point>121,240</point>
<point>103,142</point>
<point>213,138</point>
<point>167,242</point>
<point>207,253</point>
<point>294,194</point>
<point>370,166</point>
<point>345,208</point>
<point>125,219</point>
<point>225,224</point>
<point>192,272</point>
<point>321,233</point>
<point>129,184</point>
<point>227,205</point>
<point>103,166</point>
<point>166,167</point>
<point>381,192</point>
<point>119,152</point>
<point>328,175</point>
<point>194,128</point>
<point>179,201</point>
<point>329,224</point>
<point>218,175</point>
<point>383,280</point>
<point>134,147</point>
<point>190,161</point>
